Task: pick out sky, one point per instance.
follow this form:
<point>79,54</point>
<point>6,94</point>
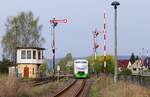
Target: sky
<point>84,16</point>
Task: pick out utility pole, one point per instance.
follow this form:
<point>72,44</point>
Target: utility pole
<point>142,59</point>
<point>95,34</point>
<point>104,34</point>
<point>16,44</point>
<point>147,58</point>
<point>115,4</point>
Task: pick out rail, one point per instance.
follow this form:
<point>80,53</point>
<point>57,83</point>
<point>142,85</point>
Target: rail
<point>73,89</point>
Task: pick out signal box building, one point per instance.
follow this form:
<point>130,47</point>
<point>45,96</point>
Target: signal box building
<point>28,61</point>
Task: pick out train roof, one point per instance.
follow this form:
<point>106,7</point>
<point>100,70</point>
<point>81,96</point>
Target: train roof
<point>80,60</point>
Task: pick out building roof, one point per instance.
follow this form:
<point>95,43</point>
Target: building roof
<point>38,48</point>
<point>123,63</point>
<point>147,61</point>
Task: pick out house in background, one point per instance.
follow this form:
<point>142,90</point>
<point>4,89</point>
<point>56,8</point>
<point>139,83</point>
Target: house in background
<point>135,64</point>
<point>147,62</point>
<point>137,67</point>
<point>122,64</point>
<point>28,61</point>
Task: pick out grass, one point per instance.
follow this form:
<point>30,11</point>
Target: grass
<point>42,89</point>
<point>94,89</point>
<point>11,87</point>
<point>106,88</point>
<point>45,89</point>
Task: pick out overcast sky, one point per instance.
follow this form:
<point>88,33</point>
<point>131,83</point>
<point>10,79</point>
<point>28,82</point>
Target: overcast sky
<point>83,17</point>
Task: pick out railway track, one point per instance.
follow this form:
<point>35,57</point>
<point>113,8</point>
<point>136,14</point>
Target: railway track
<point>39,81</point>
<point>75,89</point>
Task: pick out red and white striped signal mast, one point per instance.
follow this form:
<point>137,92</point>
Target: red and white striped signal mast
<point>54,23</point>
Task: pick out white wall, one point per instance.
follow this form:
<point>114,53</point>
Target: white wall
<point>30,66</point>
<point>36,61</point>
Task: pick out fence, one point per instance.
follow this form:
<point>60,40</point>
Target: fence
<point>143,80</point>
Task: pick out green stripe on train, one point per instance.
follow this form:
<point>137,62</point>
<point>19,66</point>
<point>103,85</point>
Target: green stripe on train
<point>80,75</point>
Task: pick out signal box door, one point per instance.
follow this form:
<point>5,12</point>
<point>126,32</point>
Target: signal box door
<point>26,72</point>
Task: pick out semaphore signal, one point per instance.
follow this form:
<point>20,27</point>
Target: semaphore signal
<point>54,23</point>
<point>59,21</point>
<point>95,34</point>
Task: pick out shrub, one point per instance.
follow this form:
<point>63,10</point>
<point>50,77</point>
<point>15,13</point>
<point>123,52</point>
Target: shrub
<point>126,72</point>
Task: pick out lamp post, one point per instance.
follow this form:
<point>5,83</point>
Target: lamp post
<point>115,4</point>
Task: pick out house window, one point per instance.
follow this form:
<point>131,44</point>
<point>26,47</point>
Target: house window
<point>23,54</point>
<point>28,54</point>
<point>134,69</point>
<point>39,55</point>
<point>139,69</point>
<point>34,54</point>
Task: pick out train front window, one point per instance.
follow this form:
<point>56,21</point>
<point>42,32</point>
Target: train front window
<point>77,62</point>
<point>81,72</point>
<point>83,62</point>
<point>80,62</point>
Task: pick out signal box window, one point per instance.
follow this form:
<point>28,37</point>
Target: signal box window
<point>42,56</point>
<point>23,54</point>
<point>28,54</point>
<point>39,55</point>
<point>34,54</point>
